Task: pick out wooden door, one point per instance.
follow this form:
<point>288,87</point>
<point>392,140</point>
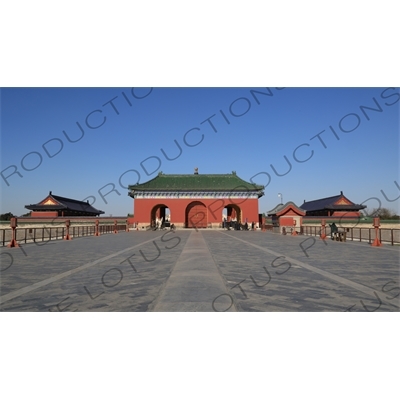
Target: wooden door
<point>197,216</point>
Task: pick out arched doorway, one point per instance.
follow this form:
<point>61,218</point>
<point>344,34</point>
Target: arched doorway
<point>232,213</point>
<point>160,214</point>
<point>196,215</point>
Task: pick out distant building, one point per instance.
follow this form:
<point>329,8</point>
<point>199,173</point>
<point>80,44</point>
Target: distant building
<point>196,200</point>
<point>286,215</point>
<point>57,206</point>
<point>335,206</point>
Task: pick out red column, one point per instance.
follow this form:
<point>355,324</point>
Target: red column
<point>115,226</point>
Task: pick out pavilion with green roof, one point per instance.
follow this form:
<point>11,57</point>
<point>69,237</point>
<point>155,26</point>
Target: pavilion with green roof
<point>195,200</point>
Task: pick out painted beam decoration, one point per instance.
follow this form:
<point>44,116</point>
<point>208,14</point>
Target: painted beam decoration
<point>194,195</point>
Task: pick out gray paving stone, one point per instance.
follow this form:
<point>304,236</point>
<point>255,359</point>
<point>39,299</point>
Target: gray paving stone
<point>200,271</point>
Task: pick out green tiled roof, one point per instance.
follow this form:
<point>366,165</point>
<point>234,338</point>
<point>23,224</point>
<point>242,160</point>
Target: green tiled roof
<point>205,182</point>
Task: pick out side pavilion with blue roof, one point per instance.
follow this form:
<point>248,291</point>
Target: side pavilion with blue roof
<point>57,206</point>
<point>334,206</point>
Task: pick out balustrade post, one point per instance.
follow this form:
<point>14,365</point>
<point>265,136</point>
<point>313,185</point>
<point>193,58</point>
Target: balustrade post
<point>97,228</point>
<point>13,225</point>
<point>67,235</point>
<point>323,229</point>
<point>376,225</point>
<point>294,233</point>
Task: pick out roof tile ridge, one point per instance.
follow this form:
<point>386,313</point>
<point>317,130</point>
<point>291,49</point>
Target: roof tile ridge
<point>324,198</point>
<point>55,197</point>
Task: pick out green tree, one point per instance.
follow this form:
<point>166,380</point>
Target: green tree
<point>6,216</point>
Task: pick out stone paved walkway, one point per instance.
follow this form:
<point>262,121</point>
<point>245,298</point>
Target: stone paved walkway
<point>199,271</point>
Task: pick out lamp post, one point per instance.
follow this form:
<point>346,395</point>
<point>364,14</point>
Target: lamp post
<point>281,197</point>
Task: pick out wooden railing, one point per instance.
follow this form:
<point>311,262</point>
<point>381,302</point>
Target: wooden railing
<point>386,235</point>
<point>45,234</point>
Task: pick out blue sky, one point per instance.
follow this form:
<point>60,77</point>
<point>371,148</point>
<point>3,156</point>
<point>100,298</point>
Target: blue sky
<point>137,124</point>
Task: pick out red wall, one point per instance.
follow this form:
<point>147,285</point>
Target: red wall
<point>177,207</point>
<point>286,221</point>
<point>47,214</point>
<point>346,214</point>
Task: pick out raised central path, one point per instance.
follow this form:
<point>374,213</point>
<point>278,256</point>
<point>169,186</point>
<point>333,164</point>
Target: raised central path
<point>195,283</point>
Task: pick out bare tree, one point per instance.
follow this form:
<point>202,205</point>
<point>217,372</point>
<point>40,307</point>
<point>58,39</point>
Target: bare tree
<point>382,213</point>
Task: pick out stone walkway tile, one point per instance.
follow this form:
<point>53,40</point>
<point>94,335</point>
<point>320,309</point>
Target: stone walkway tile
<point>203,271</point>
